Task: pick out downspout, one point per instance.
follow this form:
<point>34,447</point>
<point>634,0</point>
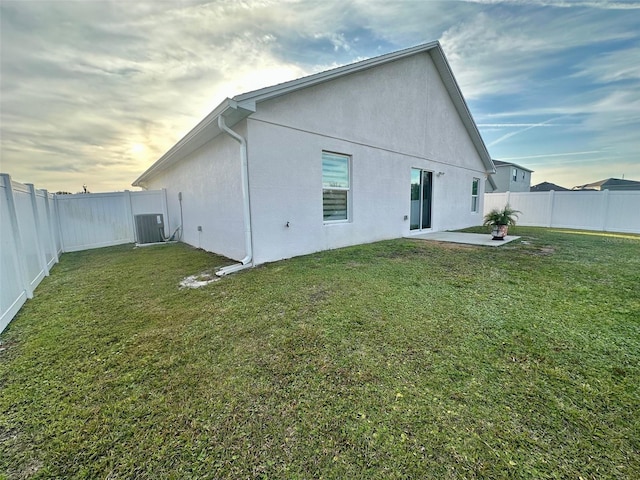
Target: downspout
<point>247,261</point>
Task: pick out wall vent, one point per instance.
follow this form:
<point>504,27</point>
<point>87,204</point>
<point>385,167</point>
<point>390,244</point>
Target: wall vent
<point>150,228</point>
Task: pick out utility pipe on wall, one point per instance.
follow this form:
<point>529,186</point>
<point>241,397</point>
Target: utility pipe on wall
<point>247,261</point>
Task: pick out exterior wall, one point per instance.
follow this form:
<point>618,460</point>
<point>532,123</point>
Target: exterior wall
<point>388,119</point>
<point>209,180</point>
<point>402,106</point>
<point>503,179</point>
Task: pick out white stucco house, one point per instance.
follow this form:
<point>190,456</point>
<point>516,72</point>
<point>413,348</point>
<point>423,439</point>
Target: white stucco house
<point>378,149</point>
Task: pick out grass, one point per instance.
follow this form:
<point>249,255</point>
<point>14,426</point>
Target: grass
<point>399,359</point>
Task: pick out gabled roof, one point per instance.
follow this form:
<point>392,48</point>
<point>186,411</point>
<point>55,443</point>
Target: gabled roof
<point>241,106</point>
<point>612,183</point>
<point>547,187</point>
<point>500,163</point>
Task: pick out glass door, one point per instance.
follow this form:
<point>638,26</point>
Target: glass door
<point>421,189</point>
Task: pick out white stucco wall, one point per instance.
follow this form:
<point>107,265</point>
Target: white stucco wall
<point>402,106</point>
<point>286,186</point>
<point>209,180</point>
<point>388,119</point>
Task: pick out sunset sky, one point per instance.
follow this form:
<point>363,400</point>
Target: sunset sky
<point>93,92</point>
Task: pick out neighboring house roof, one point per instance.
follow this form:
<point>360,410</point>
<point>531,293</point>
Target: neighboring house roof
<point>241,106</point>
<point>500,163</point>
<point>547,187</point>
<point>610,183</point>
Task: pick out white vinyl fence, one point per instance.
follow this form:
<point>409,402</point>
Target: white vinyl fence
<point>29,244</point>
<point>36,227</point>
<point>608,211</point>
<point>103,219</point>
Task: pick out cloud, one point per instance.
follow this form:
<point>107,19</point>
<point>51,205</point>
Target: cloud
<point>84,82</point>
<point>597,4</point>
<point>77,77</point>
<point>522,130</point>
<point>564,154</point>
<point>518,125</point>
<point>615,66</point>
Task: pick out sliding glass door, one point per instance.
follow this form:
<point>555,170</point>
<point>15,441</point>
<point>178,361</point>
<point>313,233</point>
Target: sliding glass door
<point>421,189</point>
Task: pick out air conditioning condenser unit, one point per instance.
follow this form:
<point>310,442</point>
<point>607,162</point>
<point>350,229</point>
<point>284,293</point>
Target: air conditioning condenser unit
<point>149,228</point>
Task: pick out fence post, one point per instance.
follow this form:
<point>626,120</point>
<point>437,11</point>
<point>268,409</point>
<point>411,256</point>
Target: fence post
<point>605,210</point>
<point>56,206</point>
<point>52,229</point>
<point>165,211</point>
<point>36,220</point>
<point>131,220</point>
<point>17,238</point>
<point>508,197</point>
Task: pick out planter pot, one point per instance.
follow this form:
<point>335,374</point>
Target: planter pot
<point>499,231</point>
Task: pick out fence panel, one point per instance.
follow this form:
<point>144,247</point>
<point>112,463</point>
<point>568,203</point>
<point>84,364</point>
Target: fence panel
<point>148,201</point>
<point>494,200</point>
<point>93,220</point>
<point>104,219</point>
<point>624,212</point>
<point>27,246</point>
<point>29,237</point>
<point>533,207</point>
<point>36,227</point>
<point>579,210</point>
<point>13,293</point>
<point>612,211</point>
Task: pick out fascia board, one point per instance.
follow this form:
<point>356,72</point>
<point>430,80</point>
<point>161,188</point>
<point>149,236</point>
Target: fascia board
<point>509,164</point>
<point>203,132</point>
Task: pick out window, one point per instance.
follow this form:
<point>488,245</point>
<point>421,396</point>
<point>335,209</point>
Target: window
<point>335,187</point>
<point>474,194</point>
<point>515,174</point>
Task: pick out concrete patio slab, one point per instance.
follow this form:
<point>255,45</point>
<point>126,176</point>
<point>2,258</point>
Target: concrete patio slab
<point>466,238</point>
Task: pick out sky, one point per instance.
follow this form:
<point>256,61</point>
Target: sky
<point>93,92</point>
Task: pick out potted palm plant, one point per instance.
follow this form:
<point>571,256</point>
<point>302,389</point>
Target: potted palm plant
<point>499,220</point>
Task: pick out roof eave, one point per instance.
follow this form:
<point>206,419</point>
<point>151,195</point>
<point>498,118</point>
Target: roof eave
<point>509,164</point>
<point>203,132</point>
<point>243,105</point>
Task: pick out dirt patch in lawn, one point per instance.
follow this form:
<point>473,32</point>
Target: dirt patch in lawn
<point>200,280</point>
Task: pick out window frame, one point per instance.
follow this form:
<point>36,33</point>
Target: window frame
<point>347,189</point>
<point>475,199</point>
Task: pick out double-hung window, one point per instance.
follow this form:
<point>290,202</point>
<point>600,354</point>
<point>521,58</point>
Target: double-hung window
<point>474,194</point>
<point>336,183</point>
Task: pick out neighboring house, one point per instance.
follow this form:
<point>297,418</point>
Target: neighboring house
<point>378,149</point>
<point>610,184</point>
<point>547,187</point>
<point>510,177</point>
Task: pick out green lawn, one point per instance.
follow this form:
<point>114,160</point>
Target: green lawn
<point>399,359</point>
